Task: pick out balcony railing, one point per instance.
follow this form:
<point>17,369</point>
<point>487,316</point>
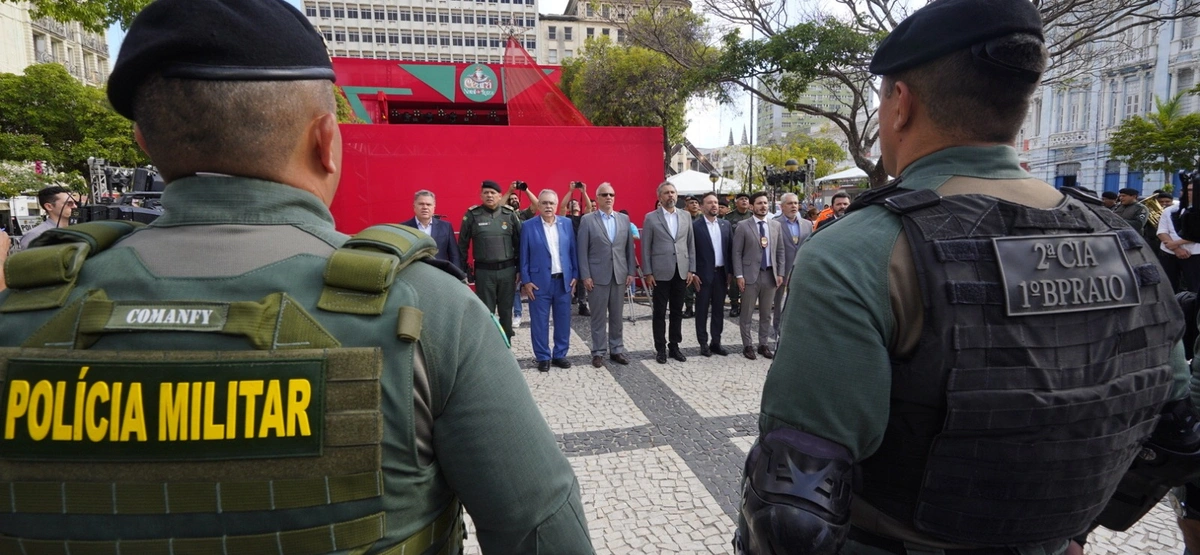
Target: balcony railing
<point>95,43</point>
<point>51,26</point>
<point>1070,138</point>
<point>44,57</point>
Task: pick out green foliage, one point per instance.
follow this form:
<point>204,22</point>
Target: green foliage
<point>46,114</point>
<point>94,15</point>
<point>17,179</point>
<point>1167,140</point>
<point>345,114</point>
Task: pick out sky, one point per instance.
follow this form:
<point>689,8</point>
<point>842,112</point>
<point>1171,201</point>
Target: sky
<point>708,124</point>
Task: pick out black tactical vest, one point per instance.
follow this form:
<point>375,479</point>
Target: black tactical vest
<point>1041,368</point>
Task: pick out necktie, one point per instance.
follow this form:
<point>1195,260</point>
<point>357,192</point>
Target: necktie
<point>762,240</point>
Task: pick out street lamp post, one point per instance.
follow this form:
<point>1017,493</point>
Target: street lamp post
<point>714,177</point>
<point>791,175</point>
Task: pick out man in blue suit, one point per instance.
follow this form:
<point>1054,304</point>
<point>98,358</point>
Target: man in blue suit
<point>714,258</point>
<point>549,269</point>
<point>423,204</point>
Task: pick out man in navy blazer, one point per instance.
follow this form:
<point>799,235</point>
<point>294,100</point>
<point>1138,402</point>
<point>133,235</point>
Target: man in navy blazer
<point>713,261</point>
<point>549,269</point>
<point>423,204</point>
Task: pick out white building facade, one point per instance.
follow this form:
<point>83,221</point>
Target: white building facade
<point>25,41</point>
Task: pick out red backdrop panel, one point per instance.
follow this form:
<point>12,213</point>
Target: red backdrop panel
<point>384,165</point>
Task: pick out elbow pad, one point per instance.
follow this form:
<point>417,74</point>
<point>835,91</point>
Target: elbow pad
<point>795,496</point>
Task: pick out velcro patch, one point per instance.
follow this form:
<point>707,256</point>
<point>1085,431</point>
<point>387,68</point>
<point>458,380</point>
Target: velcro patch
<point>183,316</point>
<point>1049,274</point>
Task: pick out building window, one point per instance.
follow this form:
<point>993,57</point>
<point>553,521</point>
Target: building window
<point>325,11</point>
<point>620,35</point>
<point>405,16</point>
<point>393,38</point>
<point>604,11</point>
<point>567,33</point>
<point>1133,97</point>
<point>444,41</point>
<point>469,19</point>
<point>494,42</point>
<point>351,12</point>
<point>328,36</point>
<point>339,36</point>
<point>469,41</point>
<point>552,56</point>
<point>353,36</point>
<point>339,12</point>
<point>528,2</point>
<point>418,39</point>
<point>604,32</point>
<point>591,12</point>
<point>456,18</point>
<point>493,20</point>
<point>591,32</point>
<point>568,53</point>
<point>406,39</point>
<point>393,15</point>
<point>443,18</point>
<point>378,14</point>
<point>531,44</point>
<point>380,38</point>
<point>458,41</point>
<point>418,16</point>
<point>310,10</point>
<point>552,33</point>
<point>506,21</point>
<point>529,22</point>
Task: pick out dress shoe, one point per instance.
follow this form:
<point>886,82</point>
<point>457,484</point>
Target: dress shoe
<point>748,352</point>
<point>543,366</point>
<point>598,361</point>
<point>687,313</point>
<point>718,350</point>
<point>584,310</point>
<point>675,354</point>
<point>735,312</point>
<point>766,351</point>
<point>619,358</point>
<point>561,362</point>
<point>705,351</point>
<point>660,358</point>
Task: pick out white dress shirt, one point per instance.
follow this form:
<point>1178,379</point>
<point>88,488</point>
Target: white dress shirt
<point>552,242</point>
<point>714,232</point>
<point>672,222</point>
<point>426,229</point>
<point>1166,225</point>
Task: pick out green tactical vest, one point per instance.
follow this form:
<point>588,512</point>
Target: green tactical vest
<point>493,234</point>
<point>273,450</point>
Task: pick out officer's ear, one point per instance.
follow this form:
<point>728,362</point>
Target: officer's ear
<point>141,140</point>
<point>327,140</point>
<point>902,103</point>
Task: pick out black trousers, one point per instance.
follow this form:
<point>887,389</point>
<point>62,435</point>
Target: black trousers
<point>710,301</point>
<point>1186,268</point>
<point>668,292</point>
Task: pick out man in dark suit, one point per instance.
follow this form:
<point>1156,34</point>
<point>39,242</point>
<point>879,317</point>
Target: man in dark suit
<point>549,268</point>
<point>795,230</point>
<point>669,261</point>
<point>423,205</point>
<point>714,251</point>
<point>758,266</point>
<point>606,263</point>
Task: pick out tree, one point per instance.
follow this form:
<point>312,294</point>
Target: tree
<point>46,114</point>
<point>631,86</point>
<point>94,15</point>
<point>793,48</point>
<point>799,147</point>
<point>1166,140</point>
<point>345,114</point>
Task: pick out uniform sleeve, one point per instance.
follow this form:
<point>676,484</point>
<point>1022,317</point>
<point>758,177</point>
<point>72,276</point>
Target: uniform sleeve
<point>831,376</point>
<point>492,444</point>
<point>464,239</point>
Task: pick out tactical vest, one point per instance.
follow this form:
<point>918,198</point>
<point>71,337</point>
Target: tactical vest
<point>275,450</point>
<point>494,234</point>
<point>1041,368</point>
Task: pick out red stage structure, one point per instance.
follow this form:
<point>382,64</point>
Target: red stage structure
<point>447,127</point>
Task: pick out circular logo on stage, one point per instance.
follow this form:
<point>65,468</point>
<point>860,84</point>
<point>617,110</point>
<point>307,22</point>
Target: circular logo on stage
<point>479,83</point>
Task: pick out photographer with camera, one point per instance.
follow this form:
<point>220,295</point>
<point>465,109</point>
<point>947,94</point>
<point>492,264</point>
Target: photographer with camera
<point>571,209</point>
<point>513,200</point>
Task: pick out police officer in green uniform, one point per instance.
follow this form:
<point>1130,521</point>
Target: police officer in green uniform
<point>993,357</point>
<point>243,379</point>
<point>741,212</point>
<point>495,230</point>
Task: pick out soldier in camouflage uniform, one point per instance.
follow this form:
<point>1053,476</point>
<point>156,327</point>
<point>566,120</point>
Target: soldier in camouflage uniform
<point>495,230</point>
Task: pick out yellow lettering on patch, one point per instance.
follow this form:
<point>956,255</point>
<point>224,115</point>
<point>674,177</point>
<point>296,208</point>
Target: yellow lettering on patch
<point>272,418</point>
<point>211,431</point>
<point>172,412</point>
<point>62,432</point>
<point>231,411</point>
<point>299,395</point>
<point>96,432</point>
<point>196,407</point>
<point>40,407</point>
<point>17,404</point>
<point>135,415</point>
<point>250,389</point>
<point>114,418</point>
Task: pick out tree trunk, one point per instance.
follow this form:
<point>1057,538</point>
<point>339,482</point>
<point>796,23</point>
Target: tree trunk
<point>666,154</point>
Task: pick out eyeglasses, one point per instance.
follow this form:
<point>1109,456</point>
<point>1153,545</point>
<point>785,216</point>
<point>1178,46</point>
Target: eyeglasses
<point>606,194</point>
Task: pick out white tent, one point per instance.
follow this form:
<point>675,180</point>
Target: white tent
<point>692,182</point>
<point>852,173</point>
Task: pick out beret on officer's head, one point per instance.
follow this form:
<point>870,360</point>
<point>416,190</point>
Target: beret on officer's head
<point>1129,191</point>
<point>742,195</point>
<point>489,184</point>
<point>947,26</point>
<point>1108,195</point>
<point>217,40</point>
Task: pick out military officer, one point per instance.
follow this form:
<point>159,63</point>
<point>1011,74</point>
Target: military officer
<point>945,386</point>
<point>742,212</point>
<point>254,381</point>
<point>495,230</point>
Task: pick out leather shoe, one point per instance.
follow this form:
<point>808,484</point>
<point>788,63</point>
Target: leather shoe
<point>560,362</point>
<point>543,366</point>
<point>766,351</point>
<point>748,352</point>
<point>719,350</point>
<point>687,313</point>
<point>584,310</point>
<point>735,312</point>
<point>675,354</point>
<point>598,361</point>
<point>705,351</point>
<point>619,358</point>
<point>660,358</point>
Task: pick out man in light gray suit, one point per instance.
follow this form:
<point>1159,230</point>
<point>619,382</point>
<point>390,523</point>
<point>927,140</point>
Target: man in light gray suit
<point>795,231</point>
<point>669,261</point>
<point>758,265</point>
<point>605,261</point>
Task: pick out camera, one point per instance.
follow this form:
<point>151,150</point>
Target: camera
<point>521,186</point>
<point>577,184</point>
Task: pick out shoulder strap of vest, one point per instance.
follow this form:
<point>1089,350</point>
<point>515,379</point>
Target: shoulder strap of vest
<point>43,277</point>
<point>1082,196</point>
<point>358,275</point>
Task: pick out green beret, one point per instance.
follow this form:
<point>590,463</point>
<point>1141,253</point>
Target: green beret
<point>947,26</point>
<point>217,40</point>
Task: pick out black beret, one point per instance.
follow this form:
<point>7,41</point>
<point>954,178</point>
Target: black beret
<point>1130,192</point>
<point>757,195</point>
<point>1108,195</point>
<point>217,40</point>
<point>946,26</point>
<point>489,184</point>
<point>742,195</point>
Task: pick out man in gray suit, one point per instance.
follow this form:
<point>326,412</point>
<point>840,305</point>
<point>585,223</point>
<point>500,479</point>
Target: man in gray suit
<point>795,231</point>
<point>669,261</point>
<point>605,260</point>
<point>758,265</point>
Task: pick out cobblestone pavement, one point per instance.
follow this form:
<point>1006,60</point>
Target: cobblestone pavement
<point>658,448</point>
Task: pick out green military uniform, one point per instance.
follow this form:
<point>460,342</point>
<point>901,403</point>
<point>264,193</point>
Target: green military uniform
<point>833,379</point>
<point>497,238</point>
<point>735,294</point>
<point>449,420</point>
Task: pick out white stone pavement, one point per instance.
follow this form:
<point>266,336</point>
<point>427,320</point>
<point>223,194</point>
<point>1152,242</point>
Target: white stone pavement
<point>658,449</point>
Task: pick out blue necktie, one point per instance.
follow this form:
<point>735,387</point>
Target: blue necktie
<point>762,239</point>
